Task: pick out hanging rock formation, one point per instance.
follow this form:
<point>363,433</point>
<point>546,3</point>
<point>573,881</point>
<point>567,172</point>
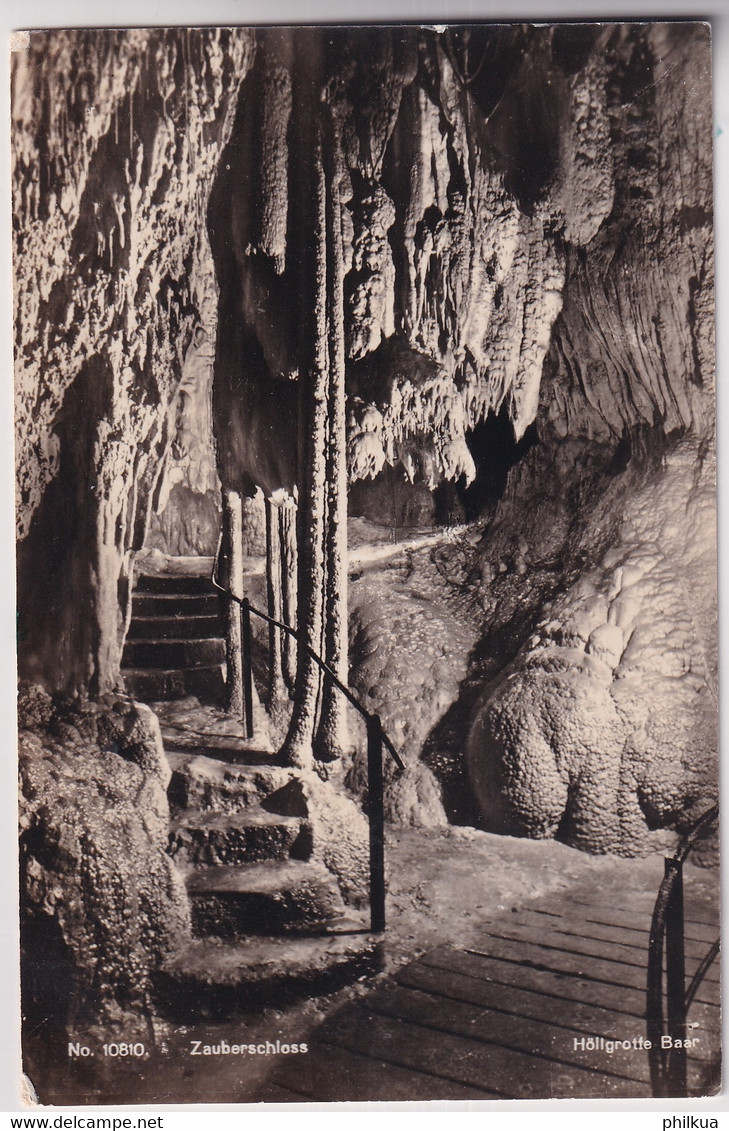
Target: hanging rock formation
<point>116,136</point>
<point>604,726</point>
<point>453,227</point>
<point>426,262</point>
<point>186,515</point>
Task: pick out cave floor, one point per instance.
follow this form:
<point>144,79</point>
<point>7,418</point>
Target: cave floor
<point>370,543</point>
<point>413,1032</point>
<point>517,966</point>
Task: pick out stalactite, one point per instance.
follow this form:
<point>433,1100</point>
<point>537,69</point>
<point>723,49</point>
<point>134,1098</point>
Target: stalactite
<point>287,535</point>
<point>277,52</point>
<point>314,393</point>
<point>371,278</point>
<point>455,272</point>
<point>333,738</point>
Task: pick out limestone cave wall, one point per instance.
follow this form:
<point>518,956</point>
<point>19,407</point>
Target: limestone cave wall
<point>185,519</point>
<point>525,218</point>
<point>116,137</point>
<point>619,495</point>
<point>479,202</point>
<point>453,269</point>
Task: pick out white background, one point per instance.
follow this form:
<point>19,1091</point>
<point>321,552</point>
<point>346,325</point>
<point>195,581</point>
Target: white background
<point>27,14</point>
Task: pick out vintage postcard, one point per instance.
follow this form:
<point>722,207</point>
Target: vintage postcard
<point>366,518</point>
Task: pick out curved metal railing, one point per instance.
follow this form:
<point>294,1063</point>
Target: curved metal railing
<point>668,1067</point>
<point>376,740</point>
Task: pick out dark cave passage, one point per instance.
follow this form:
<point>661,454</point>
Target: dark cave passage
<point>391,499</point>
<point>495,451</point>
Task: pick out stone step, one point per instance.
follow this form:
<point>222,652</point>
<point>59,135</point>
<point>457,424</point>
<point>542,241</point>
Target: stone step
<point>171,655</point>
<point>172,583</point>
<point>211,839</point>
<point>150,685</point>
<point>175,604</point>
<point>225,746</point>
<point>262,899</point>
<point>215,978</point>
<point>175,646</point>
<point>202,782</point>
<point>231,747</point>
<point>177,627</point>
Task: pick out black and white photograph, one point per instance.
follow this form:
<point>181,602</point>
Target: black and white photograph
<point>366,518</point>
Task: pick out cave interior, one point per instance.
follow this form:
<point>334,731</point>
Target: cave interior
<point>408,333</point>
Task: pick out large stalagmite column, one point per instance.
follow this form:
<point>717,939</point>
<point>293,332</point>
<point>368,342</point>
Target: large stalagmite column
<point>332,738</point>
<point>313,404</point>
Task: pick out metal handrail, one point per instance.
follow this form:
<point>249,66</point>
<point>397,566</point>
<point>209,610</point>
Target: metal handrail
<point>668,1067</point>
<point>376,739</point>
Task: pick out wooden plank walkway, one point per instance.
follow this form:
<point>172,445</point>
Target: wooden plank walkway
<point>517,1015</point>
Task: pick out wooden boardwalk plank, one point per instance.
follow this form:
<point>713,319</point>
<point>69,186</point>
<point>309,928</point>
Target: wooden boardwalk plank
<point>709,1047</point>
<point>699,907</point>
<point>506,1016</point>
<point>487,1066</point>
<point>333,1074</point>
<point>564,986</point>
<point>576,1017</point>
<point>523,1034</point>
<point>575,943</point>
<point>271,1093</point>
<point>695,929</point>
<point>703,898</point>
<point>574,924</point>
<point>576,965</point>
<point>704,1076</point>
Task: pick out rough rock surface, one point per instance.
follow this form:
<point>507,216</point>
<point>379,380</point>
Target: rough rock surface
<point>186,518</point>
<point>116,136</point>
<point>634,343</point>
<point>102,902</point>
<point>337,833</point>
<point>334,829</point>
<point>410,650</point>
<point>604,726</point>
<point>454,266</point>
<point>525,230</point>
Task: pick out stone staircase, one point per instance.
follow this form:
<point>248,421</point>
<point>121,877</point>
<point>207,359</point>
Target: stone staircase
<point>269,923</point>
<point>268,919</point>
<point>176,641</point>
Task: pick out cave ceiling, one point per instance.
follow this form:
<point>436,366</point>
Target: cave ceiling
<point>526,216</point>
